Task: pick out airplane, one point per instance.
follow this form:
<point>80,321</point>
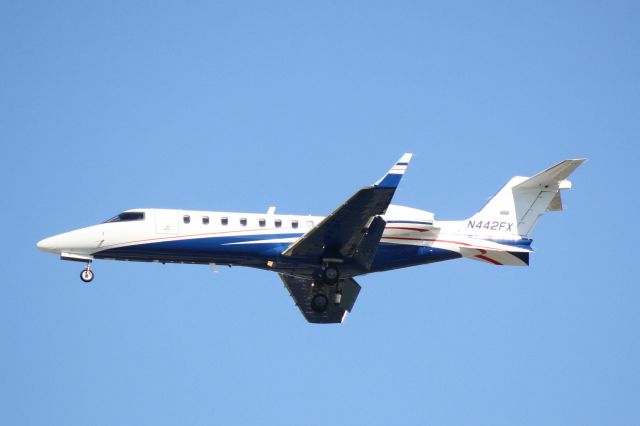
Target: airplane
<point>318,257</point>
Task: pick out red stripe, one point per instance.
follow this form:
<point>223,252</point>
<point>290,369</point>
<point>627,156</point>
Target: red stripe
<point>408,229</point>
<point>440,241</point>
<point>428,239</point>
<point>488,259</point>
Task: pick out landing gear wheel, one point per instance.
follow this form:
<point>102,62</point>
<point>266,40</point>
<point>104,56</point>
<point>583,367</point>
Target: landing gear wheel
<point>330,275</point>
<point>319,303</point>
<point>86,275</point>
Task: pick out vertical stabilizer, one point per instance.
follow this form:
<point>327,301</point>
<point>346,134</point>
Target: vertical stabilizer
<point>516,209</point>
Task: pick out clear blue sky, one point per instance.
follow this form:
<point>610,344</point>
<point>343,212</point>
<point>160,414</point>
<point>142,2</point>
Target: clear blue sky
<point>112,105</point>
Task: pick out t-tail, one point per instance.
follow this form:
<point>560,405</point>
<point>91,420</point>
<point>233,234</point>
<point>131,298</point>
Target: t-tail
<point>500,233</point>
<point>514,212</point>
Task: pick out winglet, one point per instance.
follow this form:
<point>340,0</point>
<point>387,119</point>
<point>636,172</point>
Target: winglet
<point>393,176</point>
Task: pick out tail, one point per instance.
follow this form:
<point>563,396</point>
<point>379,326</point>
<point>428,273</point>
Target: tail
<point>516,209</point>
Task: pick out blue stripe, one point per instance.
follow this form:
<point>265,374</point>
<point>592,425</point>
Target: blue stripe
<point>216,249</point>
<point>206,247</point>
<point>391,180</point>
<point>524,256</point>
<point>392,256</point>
<point>522,242</point>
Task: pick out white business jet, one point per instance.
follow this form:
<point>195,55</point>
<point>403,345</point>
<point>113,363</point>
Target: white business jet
<point>318,257</point>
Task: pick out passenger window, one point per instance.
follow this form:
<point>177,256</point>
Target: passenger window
<point>309,224</point>
<point>294,223</point>
<point>224,221</point>
<point>205,220</point>
<point>278,223</point>
<point>262,222</point>
<point>243,221</point>
<point>186,219</point>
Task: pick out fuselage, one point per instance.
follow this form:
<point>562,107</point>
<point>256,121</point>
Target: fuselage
<point>411,237</point>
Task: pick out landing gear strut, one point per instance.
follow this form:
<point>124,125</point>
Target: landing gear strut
<point>338,296</point>
<point>87,274</point>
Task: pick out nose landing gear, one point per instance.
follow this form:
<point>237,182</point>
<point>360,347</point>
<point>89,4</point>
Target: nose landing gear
<point>87,274</point>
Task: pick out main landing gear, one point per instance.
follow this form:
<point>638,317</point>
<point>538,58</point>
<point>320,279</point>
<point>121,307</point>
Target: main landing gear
<point>319,302</point>
<point>330,274</point>
<point>87,274</point>
<point>327,277</point>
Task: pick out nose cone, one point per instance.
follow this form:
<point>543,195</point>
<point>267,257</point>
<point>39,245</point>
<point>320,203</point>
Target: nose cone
<point>80,241</point>
<point>48,245</point>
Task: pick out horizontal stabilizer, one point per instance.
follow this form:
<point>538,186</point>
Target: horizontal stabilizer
<point>553,177</point>
<point>556,204</point>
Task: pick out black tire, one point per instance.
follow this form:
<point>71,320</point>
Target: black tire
<point>330,275</point>
<point>86,275</point>
<point>319,303</point>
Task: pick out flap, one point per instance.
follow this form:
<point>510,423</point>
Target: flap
<point>367,248</point>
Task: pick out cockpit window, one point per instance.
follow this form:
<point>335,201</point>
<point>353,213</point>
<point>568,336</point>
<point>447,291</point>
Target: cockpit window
<point>127,217</point>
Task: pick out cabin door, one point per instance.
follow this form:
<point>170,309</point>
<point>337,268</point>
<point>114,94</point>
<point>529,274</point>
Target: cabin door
<point>166,221</point>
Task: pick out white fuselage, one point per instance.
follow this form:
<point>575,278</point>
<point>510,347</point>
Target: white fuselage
<point>411,236</point>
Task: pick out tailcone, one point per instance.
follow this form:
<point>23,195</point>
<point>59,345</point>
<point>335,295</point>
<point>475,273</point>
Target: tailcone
<point>524,243</point>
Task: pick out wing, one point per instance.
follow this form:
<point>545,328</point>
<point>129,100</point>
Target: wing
<point>301,290</point>
<point>353,224</point>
